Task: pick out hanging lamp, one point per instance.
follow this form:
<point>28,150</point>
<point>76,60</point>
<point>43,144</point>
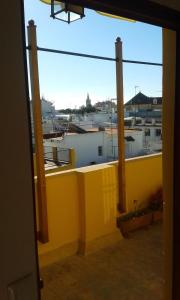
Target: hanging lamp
<point>65,11</point>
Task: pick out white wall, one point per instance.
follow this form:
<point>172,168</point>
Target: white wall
<point>48,109</point>
<point>84,124</point>
<point>152,142</point>
<point>134,148</point>
<point>85,146</point>
<point>100,117</point>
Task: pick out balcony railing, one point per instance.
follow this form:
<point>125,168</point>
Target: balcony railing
<point>57,160</point>
<point>59,156</point>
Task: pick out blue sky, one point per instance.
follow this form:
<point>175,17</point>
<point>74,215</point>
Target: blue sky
<point>66,80</point>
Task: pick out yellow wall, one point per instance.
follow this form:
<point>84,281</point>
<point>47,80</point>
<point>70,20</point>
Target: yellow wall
<point>82,202</point>
<point>63,210</point>
<point>81,208</point>
<point>98,194</point>
<point>143,177</point>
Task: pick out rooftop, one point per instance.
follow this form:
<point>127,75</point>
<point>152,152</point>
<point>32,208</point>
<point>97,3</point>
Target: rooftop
<point>140,98</point>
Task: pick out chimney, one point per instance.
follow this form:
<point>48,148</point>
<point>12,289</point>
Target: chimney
<point>143,121</point>
<point>153,121</point>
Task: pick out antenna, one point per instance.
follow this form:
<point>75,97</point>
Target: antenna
<point>136,86</point>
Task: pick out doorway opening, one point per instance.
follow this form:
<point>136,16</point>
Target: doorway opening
<point>135,172</point>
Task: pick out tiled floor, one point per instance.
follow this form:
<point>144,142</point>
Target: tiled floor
<point>130,270</point>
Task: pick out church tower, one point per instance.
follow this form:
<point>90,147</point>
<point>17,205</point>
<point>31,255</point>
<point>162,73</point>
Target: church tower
<point>88,101</point>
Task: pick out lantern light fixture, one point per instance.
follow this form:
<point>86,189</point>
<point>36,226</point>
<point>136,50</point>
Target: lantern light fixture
<point>65,11</point>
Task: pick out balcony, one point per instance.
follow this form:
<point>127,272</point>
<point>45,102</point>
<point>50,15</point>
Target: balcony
<point>82,219</point>
<point>82,204</point>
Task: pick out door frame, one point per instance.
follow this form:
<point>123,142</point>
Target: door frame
<point>168,18</point>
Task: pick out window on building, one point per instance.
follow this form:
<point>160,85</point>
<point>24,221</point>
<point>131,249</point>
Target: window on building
<point>92,163</point>
<point>129,138</point>
<point>138,121</point>
<point>155,101</point>
<point>128,123</point>
<point>158,132</point>
<point>147,132</point>
<point>100,150</point>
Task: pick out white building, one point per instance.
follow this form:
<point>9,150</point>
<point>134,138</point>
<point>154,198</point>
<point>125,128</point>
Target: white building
<point>48,109</point>
<point>152,138</point>
<point>98,146</point>
<point>48,117</point>
<point>152,133</point>
<point>106,106</point>
<point>95,119</point>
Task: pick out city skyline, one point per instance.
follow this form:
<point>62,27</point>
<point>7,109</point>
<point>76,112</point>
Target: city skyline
<point>66,80</point>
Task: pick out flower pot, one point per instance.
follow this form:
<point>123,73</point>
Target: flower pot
<point>135,223</point>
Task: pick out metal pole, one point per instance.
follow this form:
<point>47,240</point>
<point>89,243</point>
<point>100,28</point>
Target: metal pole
<point>55,154</point>
<point>96,56</point>
<point>74,54</point>
<point>35,92</point>
<point>120,122</point>
<point>136,86</point>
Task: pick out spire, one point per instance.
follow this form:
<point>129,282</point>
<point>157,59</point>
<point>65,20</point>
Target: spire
<point>88,101</point>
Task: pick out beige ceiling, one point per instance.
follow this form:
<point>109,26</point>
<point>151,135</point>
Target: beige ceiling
<point>175,4</point>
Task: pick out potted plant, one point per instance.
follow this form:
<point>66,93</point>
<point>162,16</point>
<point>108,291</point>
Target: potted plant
<point>140,217</point>
<point>156,205</point>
